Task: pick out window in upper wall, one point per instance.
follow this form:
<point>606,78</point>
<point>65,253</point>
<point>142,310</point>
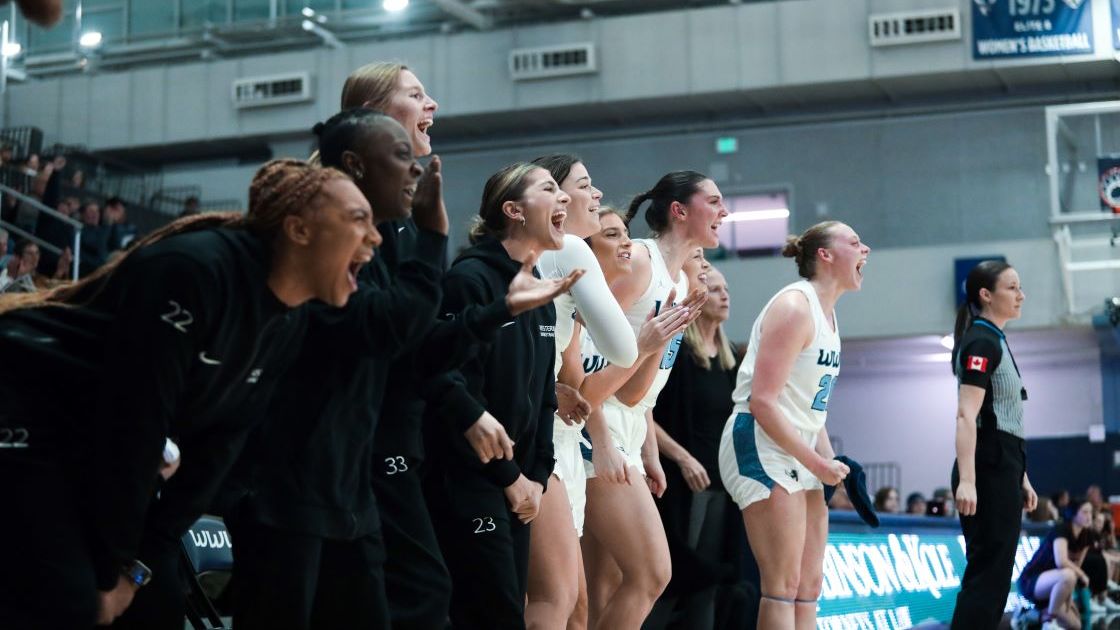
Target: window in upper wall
<point>293,7</point>
<point>108,20</point>
<point>194,14</point>
<point>250,10</point>
<point>756,224</point>
<point>150,18</point>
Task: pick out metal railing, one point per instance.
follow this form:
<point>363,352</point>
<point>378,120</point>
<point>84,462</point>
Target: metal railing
<point>51,212</point>
<point>882,474</point>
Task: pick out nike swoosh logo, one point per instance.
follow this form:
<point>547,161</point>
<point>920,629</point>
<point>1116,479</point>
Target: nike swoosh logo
<point>506,324</point>
<point>400,229</point>
<point>207,360</point>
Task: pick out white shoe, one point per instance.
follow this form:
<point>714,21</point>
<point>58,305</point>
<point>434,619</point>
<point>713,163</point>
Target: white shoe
<point>1111,606</point>
<point>1096,608</point>
<point>1113,586</point>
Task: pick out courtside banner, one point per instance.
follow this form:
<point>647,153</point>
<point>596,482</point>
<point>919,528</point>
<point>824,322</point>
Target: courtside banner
<point>899,580</point>
<point>1006,29</point>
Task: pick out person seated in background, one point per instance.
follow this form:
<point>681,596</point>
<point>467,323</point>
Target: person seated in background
<point>6,153</point>
<point>4,255</point>
<point>1043,512</point>
<point>1054,572</point>
<point>121,232</point>
<point>94,238</point>
<point>886,500</point>
<point>22,270</point>
<point>190,207</point>
<point>1096,566</point>
<point>916,504</point>
<point>840,500</point>
<point>56,232</point>
<point>1094,495</point>
<point>945,497</point>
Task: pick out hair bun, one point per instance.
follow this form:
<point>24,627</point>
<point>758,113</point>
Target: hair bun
<point>318,128</point>
<point>792,248</point>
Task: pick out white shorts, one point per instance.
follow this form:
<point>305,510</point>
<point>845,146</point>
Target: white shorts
<point>750,463</point>
<point>569,468</point>
<point>627,426</point>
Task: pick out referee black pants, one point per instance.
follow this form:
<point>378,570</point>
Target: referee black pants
<point>298,581</point>
<point>416,579</point>
<point>992,534</point>
<point>487,552</point>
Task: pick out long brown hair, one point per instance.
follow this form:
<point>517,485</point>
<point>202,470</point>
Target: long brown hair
<point>508,184</point>
<point>280,188</point>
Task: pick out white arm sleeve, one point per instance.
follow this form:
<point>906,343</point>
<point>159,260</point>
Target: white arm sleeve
<point>602,316</point>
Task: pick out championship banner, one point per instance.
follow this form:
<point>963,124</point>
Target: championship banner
<point>1108,183</point>
<point>1007,29</point>
<point>889,581</point>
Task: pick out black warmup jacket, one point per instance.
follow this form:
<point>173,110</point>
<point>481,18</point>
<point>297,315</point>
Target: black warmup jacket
<point>448,342</point>
<point>511,377</point>
<point>185,341</point>
<point>308,465</point>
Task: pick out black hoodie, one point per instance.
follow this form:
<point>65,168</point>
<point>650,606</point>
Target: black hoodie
<point>184,340</point>
<point>511,377</point>
<point>307,468</point>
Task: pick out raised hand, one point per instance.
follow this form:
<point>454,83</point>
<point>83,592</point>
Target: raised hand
<point>428,210</point>
<point>527,291</point>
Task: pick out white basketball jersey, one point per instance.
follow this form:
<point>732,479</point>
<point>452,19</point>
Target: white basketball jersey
<point>653,299</point>
<point>804,398</point>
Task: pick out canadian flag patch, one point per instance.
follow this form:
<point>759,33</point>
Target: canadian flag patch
<point>977,364</point>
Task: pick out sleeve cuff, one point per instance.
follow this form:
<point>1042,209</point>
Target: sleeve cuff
<point>502,472</point>
<point>430,247</point>
<point>461,408</point>
<point>484,321</point>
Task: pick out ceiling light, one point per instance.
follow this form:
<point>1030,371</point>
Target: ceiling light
<point>307,12</point>
<point>307,25</point>
<point>12,49</point>
<point>757,215</point>
<point>394,6</point>
<point>91,39</point>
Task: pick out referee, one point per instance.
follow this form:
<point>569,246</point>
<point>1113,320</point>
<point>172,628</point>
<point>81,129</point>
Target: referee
<point>989,477</point>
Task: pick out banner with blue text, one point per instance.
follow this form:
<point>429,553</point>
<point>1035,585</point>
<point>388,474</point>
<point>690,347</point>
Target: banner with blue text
<point>1005,29</point>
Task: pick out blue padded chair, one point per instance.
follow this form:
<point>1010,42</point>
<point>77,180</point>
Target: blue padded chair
<point>205,547</point>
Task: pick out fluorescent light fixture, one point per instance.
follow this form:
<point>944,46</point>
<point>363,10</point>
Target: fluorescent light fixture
<point>308,12</point>
<point>91,39</point>
<point>307,25</point>
<point>394,6</point>
<point>757,215</point>
<point>947,342</point>
<point>12,49</point>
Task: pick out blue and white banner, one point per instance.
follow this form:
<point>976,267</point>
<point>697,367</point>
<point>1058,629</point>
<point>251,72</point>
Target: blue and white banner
<point>1003,29</point>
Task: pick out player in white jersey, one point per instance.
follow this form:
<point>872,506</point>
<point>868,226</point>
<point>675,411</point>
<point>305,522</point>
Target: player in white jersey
<point>775,452</point>
<point>556,582</point>
<point>626,553</point>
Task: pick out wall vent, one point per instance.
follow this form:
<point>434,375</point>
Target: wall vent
<point>552,61</point>
<point>914,27</point>
<point>276,89</point>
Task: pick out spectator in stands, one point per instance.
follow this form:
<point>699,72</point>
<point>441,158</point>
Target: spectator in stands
<point>886,500</point>
<point>56,232</point>
<point>1043,512</point>
<point>5,154</point>
<point>945,496</point>
<point>1051,576</point>
<point>1093,495</point>
<point>840,500</point>
<point>1096,566</point>
<point>1060,500</point>
<point>121,232</point>
<point>23,269</point>
<point>4,256</point>
<point>95,237</point>
<point>190,207</point>
<point>78,179</point>
<point>916,504</point>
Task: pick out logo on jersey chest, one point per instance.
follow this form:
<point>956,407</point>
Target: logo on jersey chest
<point>828,358</point>
<point>593,363</point>
<point>547,331</point>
